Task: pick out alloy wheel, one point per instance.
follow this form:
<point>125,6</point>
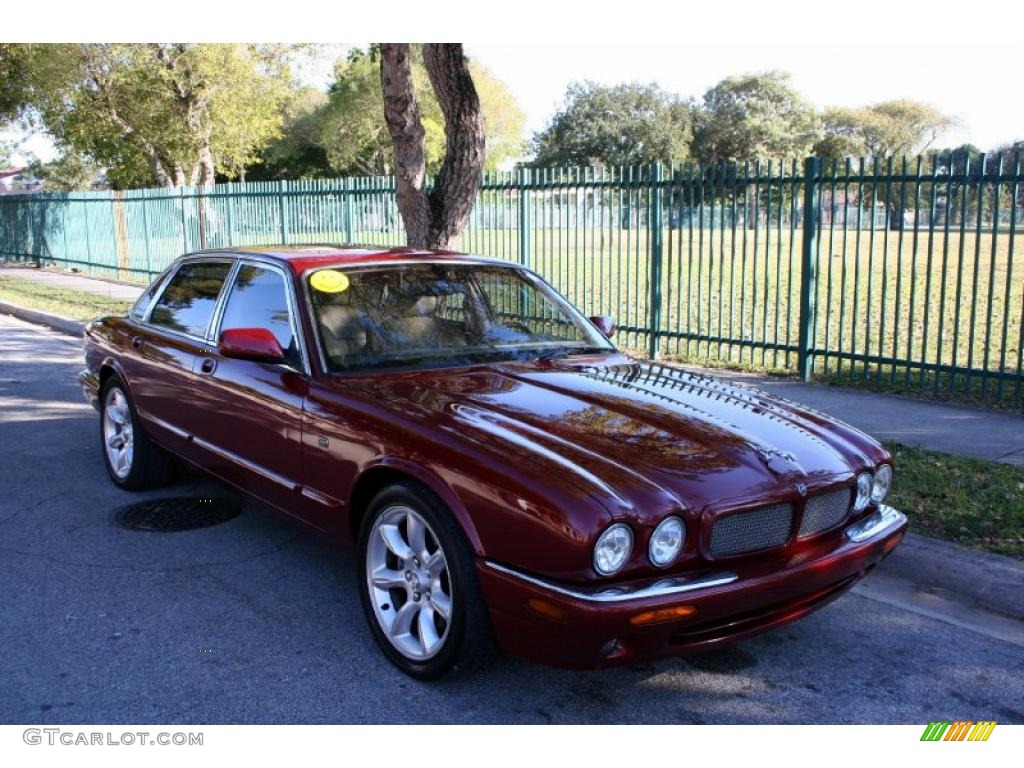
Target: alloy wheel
<point>118,434</point>
<point>408,582</point>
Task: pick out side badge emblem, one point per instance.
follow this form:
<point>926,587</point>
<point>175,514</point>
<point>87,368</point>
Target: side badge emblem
<point>322,441</point>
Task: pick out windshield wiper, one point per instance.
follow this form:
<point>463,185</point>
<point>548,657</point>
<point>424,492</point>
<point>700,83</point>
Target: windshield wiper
<point>565,351</point>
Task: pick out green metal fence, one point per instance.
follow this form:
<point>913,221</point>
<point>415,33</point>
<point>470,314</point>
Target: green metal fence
<point>894,274</point>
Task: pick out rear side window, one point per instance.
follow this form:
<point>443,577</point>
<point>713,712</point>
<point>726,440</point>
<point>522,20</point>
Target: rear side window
<point>259,299</point>
<point>139,310</point>
<point>187,303</point>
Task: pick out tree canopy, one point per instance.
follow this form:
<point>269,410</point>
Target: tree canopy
<point>165,114</point>
<point>624,124</point>
<point>753,116</point>
<point>900,127</point>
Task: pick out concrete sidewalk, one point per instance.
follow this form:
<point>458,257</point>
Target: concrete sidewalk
<point>958,429</point>
<point>75,281</point>
<point>963,430</point>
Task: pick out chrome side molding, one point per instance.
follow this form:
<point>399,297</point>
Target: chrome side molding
<point>617,594</point>
<point>876,524</point>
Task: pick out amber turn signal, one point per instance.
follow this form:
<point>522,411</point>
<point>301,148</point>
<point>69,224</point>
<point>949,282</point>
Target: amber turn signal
<point>892,543</point>
<point>546,609</point>
<point>662,615</point>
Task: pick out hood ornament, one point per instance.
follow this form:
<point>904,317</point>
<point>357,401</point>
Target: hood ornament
<point>801,488</point>
<point>767,454</point>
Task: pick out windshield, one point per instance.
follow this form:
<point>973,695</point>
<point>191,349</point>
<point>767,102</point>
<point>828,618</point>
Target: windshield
<point>442,314</point>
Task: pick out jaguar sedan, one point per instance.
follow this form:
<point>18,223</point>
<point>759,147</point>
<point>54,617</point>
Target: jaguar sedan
<point>506,474</point>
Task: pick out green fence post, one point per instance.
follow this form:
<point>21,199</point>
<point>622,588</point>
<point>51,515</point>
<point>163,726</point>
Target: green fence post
<point>283,209</point>
<point>350,229</point>
<point>523,187</point>
<point>229,197</point>
<point>809,266</point>
<point>655,199</point>
<point>145,235</point>
<point>184,224</point>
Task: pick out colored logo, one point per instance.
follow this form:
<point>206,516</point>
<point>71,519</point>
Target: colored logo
<point>961,730</point>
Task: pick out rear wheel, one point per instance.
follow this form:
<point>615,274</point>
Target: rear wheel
<point>133,461</point>
<point>418,584</point>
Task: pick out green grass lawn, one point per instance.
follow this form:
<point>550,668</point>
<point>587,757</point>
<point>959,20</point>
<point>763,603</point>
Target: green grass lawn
<point>78,305</point>
<point>968,501</point>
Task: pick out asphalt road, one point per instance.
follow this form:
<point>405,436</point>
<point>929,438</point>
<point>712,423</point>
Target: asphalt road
<point>255,621</point>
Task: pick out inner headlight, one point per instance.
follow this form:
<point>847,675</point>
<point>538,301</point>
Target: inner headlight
<point>864,485</point>
<point>612,549</point>
<point>883,479</point>
<point>667,541</point>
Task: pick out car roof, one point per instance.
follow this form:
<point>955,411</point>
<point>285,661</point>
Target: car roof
<point>308,256</point>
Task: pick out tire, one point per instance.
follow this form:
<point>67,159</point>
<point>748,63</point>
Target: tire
<point>133,461</point>
<point>411,590</point>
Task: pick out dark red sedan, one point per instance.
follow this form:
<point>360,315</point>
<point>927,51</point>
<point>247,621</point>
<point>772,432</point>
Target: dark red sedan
<point>502,468</point>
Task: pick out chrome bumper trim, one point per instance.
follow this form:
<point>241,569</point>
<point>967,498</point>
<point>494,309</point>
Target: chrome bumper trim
<point>616,594</point>
<point>882,521</point>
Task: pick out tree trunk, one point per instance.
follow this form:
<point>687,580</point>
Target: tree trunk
<point>434,220</point>
<point>456,186</point>
<point>402,115</point>
<point>206,166</point>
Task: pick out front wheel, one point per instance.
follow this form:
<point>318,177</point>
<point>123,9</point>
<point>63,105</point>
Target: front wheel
<point>418,584</point>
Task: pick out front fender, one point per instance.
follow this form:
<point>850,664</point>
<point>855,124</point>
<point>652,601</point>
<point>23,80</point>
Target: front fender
<point>435,483</point>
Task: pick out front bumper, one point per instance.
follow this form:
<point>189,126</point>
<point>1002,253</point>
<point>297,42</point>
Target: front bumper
<point>582,628</point>
<point>90,384</point>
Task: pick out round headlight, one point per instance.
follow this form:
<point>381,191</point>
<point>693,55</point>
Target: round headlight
<point>667,541</point>
<point>864,484</point>
<point>883,479</point>
<point>613,549</point>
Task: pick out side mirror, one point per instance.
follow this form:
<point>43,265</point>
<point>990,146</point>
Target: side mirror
<point>257,344</point>
<point>604,324</point>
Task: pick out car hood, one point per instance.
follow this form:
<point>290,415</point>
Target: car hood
<point>642,437</point>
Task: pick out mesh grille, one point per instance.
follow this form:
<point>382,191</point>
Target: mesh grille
<point>756,529</point>
<point>825,511</point>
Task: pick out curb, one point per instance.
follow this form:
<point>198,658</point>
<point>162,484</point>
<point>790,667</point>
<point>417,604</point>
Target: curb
<point>58,323</point>
<point>992,582</point>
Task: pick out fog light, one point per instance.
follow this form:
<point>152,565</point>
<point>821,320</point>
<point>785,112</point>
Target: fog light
<point>662,615</point>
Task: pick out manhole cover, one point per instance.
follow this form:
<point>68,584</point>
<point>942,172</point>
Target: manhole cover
<point>181,514</point>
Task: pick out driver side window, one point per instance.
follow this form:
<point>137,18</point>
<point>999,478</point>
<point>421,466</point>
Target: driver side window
<point>259,299</point>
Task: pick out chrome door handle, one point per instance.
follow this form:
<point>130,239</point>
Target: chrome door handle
<point>208,365</point>
<point>137,342</point>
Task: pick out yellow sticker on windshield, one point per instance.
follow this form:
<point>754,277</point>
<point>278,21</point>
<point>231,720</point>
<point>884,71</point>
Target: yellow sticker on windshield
<point>329,281</point>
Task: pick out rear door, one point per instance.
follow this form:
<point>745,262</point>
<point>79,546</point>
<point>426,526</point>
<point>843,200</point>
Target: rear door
<point>249,414</point>
<point>168,340</point>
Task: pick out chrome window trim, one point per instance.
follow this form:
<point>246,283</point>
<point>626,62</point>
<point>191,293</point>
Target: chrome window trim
<point>172,271</point>
<point>660,588</point>
<point>158,285</point>
<point>289,291</point>
<point>545,287</point>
